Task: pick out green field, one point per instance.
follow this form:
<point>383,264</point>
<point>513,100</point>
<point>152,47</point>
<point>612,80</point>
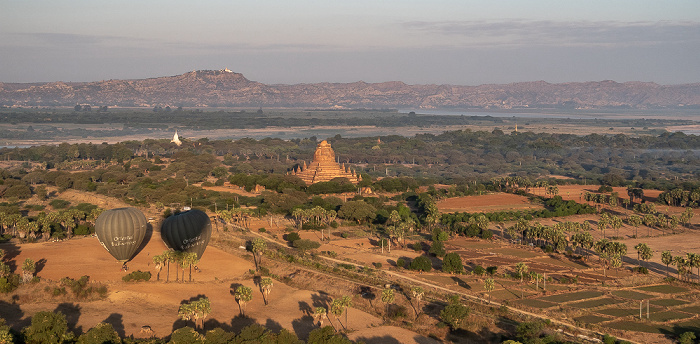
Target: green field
<point>515,253</point>
<point>691,309</point>
<point>596,303</point>
<point>581,295</point>
<point>630,325</point>
<point>591,319</point>
<point>668,302</point>
<point>509,294</point>
<point>629,294</point>
<point>668,315</point>
<point>664,289</point>
<point>535,303</point>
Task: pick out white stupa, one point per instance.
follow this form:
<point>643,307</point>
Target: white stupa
<point>176,139</point>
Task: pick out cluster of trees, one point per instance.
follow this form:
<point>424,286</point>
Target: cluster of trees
<point>684,264</point>
<point>52,327</point>
<point>456,157</point>
<point>181,260</point>
<point>79,220</point>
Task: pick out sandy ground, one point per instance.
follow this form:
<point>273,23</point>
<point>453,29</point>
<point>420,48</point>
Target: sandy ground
<point>486,203</point>
<point>132,305</point>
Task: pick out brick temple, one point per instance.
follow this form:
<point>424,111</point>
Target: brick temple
<point>324,167</point>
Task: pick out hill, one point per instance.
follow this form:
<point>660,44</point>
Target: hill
<point>224,88</point>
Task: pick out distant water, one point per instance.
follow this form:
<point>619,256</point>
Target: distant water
<point>16,146</point>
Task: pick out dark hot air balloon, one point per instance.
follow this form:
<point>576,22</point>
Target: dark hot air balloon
<point>188,231</point>
<point>121,232</point>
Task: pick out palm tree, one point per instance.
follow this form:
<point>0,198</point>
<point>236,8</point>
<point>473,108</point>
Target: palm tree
<point>489,286</point>
<point>243,295</point>
<point>521,269</point>
<point>388,298</point>
<point>667,259</point>
<point>28,270</point>
<point>266,286</point>
<point>680,265</point>
<point>417,293</point>
<point>190,259</point>
<point>158,262</point>
<point>196,311</point>
<point>319,314</point>
<point>635,221</point>
<point>337,310</point>
<point>346,302</point>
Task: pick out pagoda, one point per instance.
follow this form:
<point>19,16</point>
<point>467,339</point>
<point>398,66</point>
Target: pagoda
<point>324,167</point>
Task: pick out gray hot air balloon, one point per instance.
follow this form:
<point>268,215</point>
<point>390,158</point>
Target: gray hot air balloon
<point>121,232</point>
<point>188,231</point>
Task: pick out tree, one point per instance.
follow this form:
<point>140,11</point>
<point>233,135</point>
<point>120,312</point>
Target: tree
<point>243,295</point>
<point>417,293</point>
<point>258,247</point>
<point>489,286</point>
<point>319,314</point>
<point>667,259</point>
<point>454,313</point>
<point>266,287</point>
<point>48,328</point>
<point>452,263</point>
<point>437,248</point>
<point>186,335</point>
<point>28,270</point>
<point>635,221</point>
<point>102,333</point>
<point>326,335</point>
<point>687,338</point>
<point>346,302</point>
<point>357,211</point>
<point>521,269</point>
<point>196,311</point>
<point>388,298</point>
<point>158,262</point>
<point>421,263</point>
<point>304,245</point>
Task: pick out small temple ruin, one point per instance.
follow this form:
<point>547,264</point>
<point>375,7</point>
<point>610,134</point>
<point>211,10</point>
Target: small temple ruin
<point>324,167</point>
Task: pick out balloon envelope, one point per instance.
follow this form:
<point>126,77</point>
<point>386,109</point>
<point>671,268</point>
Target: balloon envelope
<point>188,231</point>
<point>121,232</point>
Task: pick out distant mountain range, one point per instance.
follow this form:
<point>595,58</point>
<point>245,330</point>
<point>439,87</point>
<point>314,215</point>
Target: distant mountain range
<point>224,88</point>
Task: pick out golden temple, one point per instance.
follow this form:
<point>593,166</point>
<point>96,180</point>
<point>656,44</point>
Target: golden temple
<point>324,167</point>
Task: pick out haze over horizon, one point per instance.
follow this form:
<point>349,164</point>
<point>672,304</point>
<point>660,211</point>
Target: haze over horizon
<point>417,42</point>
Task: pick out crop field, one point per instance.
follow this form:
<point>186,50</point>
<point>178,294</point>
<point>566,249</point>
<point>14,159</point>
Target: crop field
<point>664,289</point>
<point>630,325</point>
<point>629,294</point>
<point>486,203</point>
<point>625,312</point>
<point>594,303</point>
<point>535,303</point>
<point>519,253</point>
<point>591,319</point>
<point>691,309</point>
<point>576,296</point>
<point>668,315</point>
<point>668,302</point>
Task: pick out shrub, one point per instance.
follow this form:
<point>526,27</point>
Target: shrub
<point>262,230</point>
<point>292,236</point>
<point>417,246</point>
<point>82,230</point>
<point>334,224</point>
<point>9,283</point>
<point>401,262</point>
<point>641,270</point>
<point>421,263</point>
<point>397,311</point>
<point>377,265</point>
<point>452,263</point>
<point>137,276</point>
<point>478,270</point>
<point>491,270</point>
<point>344,235</point>
<point>59,204</point>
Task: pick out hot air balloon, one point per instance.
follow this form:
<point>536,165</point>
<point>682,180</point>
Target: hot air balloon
<point>121,232</point>
<point>188,231</point>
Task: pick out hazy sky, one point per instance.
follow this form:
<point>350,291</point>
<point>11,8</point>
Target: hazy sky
<point>419,42</point>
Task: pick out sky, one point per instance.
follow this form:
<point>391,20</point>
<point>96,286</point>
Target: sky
<point>461,42</point>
